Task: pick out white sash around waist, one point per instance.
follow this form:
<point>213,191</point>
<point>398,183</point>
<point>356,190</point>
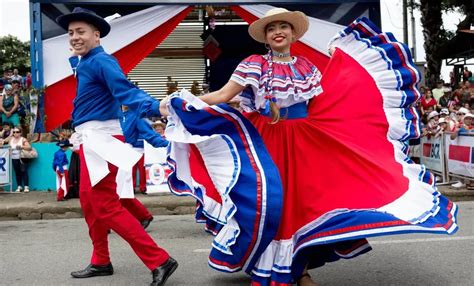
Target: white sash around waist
<point>99,147</point>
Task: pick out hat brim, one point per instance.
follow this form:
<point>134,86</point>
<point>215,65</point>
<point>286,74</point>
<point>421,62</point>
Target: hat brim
<point>297,19</point>
<point>102,25</point>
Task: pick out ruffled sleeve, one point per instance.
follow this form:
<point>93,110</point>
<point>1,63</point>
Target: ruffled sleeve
<point>248,74</point>
<point>249,71</point>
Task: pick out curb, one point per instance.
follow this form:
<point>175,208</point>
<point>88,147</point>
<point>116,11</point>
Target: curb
<point>43,205</point>
<point>38,205</point>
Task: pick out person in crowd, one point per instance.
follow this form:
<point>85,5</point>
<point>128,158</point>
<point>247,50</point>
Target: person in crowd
<point>159,127</point>
<point>16,77</point>
<point>60,168</point>
<point>16,84</point>
<point>460,113</point>
<point>309,138</point>
<point>454,103</point>
<point>450,123</point>
<point>428,103</point>
<point>438,91</point>
<point>466,93</point>
<point>6,133</point>
<point>3,82</point>
<point>28,81</point>
<point>205,88</point>
<point>9,106</point>
<point>465,129</point>
<point>452,80</point>
<point>444,125</point>
<point>101,80</point>
<point>20,165</point>
<point>466,74</point>
<point>444,99</point>
<point>432,128</point>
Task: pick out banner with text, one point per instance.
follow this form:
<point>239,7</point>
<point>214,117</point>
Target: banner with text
<point>432,154</point>
<point>460,155</point>
<point>5,166</point>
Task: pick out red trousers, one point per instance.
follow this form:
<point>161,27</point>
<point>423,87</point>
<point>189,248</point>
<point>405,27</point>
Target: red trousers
<point>136,208</point>
<point>140,165</point>
<point>103,211</point>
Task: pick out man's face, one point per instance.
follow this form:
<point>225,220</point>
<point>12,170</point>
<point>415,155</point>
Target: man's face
<point>83,37</point>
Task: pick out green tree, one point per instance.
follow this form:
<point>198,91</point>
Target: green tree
<point>434,33</point>
<point>14,54</point>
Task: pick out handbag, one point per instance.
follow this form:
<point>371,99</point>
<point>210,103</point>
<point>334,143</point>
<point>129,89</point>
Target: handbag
<point>28,154</point>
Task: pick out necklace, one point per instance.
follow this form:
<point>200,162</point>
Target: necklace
<point>281,55</point>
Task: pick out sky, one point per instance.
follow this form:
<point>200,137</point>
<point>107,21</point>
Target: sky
<point>14,20</point>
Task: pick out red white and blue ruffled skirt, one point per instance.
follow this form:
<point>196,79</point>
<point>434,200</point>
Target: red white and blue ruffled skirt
<point>306,191</point>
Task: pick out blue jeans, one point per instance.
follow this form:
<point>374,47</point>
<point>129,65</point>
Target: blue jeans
<point>21,172</point>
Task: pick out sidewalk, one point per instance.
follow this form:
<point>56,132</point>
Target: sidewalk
<point>43,205</point>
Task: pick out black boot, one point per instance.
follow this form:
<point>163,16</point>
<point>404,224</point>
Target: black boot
<point>146,222</point>
<point>163,272</point>
<point>94,270</point>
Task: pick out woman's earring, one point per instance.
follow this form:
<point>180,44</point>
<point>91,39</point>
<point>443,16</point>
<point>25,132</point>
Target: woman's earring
<point>267,46</point>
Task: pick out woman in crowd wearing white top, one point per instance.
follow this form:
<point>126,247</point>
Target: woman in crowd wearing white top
<point>17,143</point>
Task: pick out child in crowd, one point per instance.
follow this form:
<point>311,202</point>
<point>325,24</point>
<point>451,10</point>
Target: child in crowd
<point>60,166</point>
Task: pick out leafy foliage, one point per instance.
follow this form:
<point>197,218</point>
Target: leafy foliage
<point>14,54</point>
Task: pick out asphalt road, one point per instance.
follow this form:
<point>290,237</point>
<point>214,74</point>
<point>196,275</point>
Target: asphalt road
<point>45,252</point>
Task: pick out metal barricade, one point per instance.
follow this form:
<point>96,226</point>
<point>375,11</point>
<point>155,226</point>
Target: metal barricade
<point>459,153</point>
<point>6,174</point>
<point>433,157</point>
<point>449,158</point>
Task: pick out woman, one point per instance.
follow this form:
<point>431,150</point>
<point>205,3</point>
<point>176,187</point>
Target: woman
<point>334,152</point>
<point>9,106</point>
<point>18,143</point>
<point>428,102</point>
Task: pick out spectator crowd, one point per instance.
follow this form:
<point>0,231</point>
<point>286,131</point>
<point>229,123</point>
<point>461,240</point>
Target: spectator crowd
<point>447,108</point>
<point>444,107</point>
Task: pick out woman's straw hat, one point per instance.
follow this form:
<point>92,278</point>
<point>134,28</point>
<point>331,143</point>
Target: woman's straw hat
<point>297,19</point>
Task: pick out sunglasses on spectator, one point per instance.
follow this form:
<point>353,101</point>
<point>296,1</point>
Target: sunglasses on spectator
<point>460,113</point>
<point>16,131</point>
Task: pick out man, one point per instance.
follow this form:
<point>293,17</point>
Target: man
<point>444,99</point>
<point>101,88</point>
<point>438,91</point>
<point>16,77</point>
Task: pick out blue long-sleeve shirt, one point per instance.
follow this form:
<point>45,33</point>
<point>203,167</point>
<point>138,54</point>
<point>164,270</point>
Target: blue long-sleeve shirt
<point>60,159</point>
<point>102,87</point>
<point>136,129</point>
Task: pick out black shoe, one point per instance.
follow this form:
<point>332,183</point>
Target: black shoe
<point>146,222</point>
<point>94,270</point>
<point>163,272</point>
